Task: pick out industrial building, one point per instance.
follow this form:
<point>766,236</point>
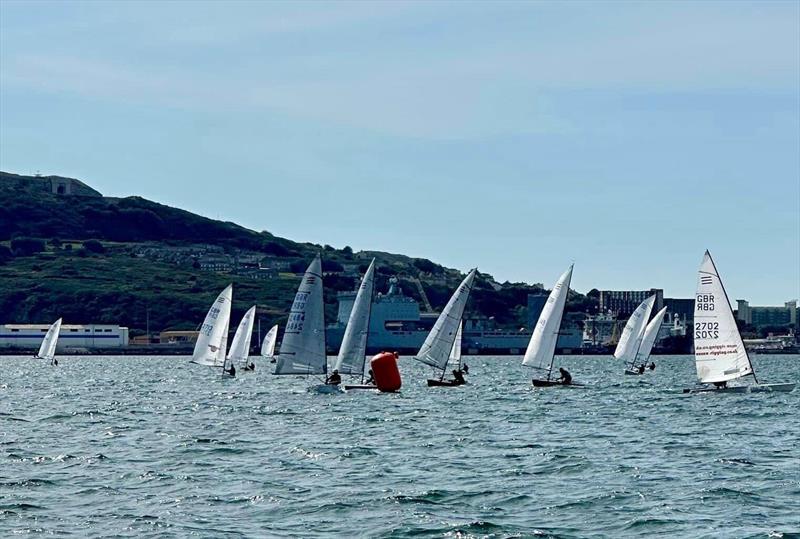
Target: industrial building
<point>623,302</point>
<point>767,316</point>
<point>29,336</point>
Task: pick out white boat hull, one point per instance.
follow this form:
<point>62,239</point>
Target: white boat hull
<point>326,389</point>
<point>757,388</point>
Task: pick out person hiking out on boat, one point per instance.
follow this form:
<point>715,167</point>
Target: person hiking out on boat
<point>652,366</point>
<point>334,379</point>
<point>55,362</point>
<point>232,370</point>
<point>371,379</point>
<point>465,368</point>
<point>641,368</point>
<point>250,366</point>
<point>458,376</point>
<point>566,377</point>
<point>721,385</point>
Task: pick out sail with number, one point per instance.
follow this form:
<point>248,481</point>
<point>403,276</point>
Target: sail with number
<point>436,349</point>
<point>633,332</point>
<point>649,338</point>
<point>268,345</point>
<point>303,346</point>
<point>718,348</point>
<point>353,352</point>
<point>542,346</point>
<point>48,348</point>
<point>212,339</point>
<point>240,345</point>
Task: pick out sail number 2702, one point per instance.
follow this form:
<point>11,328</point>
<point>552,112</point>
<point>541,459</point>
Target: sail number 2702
<point>706,330</point>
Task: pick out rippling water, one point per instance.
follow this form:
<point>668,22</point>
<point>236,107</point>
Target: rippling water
<point>155,447</point>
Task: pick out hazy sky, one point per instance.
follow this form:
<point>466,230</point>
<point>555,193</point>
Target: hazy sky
<point>520,137</point>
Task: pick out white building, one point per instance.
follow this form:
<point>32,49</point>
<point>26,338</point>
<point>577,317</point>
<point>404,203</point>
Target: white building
<point>71,336</point>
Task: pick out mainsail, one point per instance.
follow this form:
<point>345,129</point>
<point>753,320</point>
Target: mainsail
<point>649,338</point>
<point>303,346</point>
<point>268,345</point>
<point>353,352</point>
<point>240,346</point>
<point>436,349</point>
<point>455,352</point>
<point>718,348</point>
<point>542,345</point>
<point>633,332</point>
<point>48,348</point>
<point>210,346</point>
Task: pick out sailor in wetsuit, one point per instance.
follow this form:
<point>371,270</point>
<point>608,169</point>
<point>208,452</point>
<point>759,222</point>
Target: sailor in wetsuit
<point>566,377</point>
<point>721,385</point>
<point>465,368</point>
<point>458,376</point>
<point>371,379</point>
<point>334,379</point>
<point>641,368</point>
<point>232,370</point>
<point>652,366</point>
<point>55,362</point>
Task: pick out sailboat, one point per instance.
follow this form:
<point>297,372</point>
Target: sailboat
<point>268,345</point>
<point>438,346</point>
<point>633,333</point>
<point>719,353</point>
<point>48,348</point>
<point>646,344</point>
<point>303,346</point>
<point>212,340</point>
<point>353,352</point>
<point>240,345</point>
<point>542,346</point>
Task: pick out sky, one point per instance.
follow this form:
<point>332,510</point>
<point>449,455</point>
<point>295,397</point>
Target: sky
<point>516,137</point>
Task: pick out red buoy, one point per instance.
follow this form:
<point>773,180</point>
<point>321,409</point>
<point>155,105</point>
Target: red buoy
<point>385,371</point>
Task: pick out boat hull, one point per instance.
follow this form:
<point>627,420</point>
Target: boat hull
<point>633,373</point>
<point>326,389</point>
<point>444,383</point>
<point>549,383</point>
<point>359,386</point>
<point>758,388</point>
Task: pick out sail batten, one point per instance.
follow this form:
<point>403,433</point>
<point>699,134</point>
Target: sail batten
<point>353,351</point>
<point>720,354</point>
<point>438,346</point>
<point>303,346</point>
<point>47,350</point>
<point>212,339</point>
<point>633,333</point>
<point>542,346</point>
<point>240,346</point>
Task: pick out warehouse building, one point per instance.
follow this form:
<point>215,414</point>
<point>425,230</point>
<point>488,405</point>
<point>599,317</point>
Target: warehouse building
<point>29,336</point>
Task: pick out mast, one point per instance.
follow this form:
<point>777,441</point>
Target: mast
<point>728,303</point>
<point>560,320</point>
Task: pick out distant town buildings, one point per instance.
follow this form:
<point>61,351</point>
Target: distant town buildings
<point>767,316</point>
<point>623,302</point>
<point>29,336</point>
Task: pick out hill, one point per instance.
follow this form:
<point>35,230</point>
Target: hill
<point>66,250</point>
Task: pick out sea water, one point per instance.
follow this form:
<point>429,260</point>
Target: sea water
<point>158,447</point>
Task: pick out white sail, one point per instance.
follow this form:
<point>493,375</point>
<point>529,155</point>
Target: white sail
<point>268,345</point>
<point>542,345</point>
<point>718,349</point>
<point>633,333</point>
<point>455,352</point>
<point>210,348</point>
<point>649,337</point>
<point>435,351</point>
<point>353,352</point>
<point>303,346</point>
<point>240,346</point>
<point>48,348</point>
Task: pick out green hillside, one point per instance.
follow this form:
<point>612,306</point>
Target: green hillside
<point>117,260</point>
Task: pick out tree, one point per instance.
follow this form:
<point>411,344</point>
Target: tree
<point>94,246</point>
<point>26,246</point>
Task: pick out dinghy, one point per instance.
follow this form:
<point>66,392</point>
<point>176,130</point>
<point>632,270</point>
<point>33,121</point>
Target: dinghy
<point>437,349</point>
<point>212,340</point>
<point>455,357</point>
<point>48,348</point>
<point>720,355</point>
<point>646,345</point>
<point>303,347</point>
<point>633,334</point>
<point>353,353</point>
<point>240,345</point>
<point>542,346</point>
<point>268,345</point>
